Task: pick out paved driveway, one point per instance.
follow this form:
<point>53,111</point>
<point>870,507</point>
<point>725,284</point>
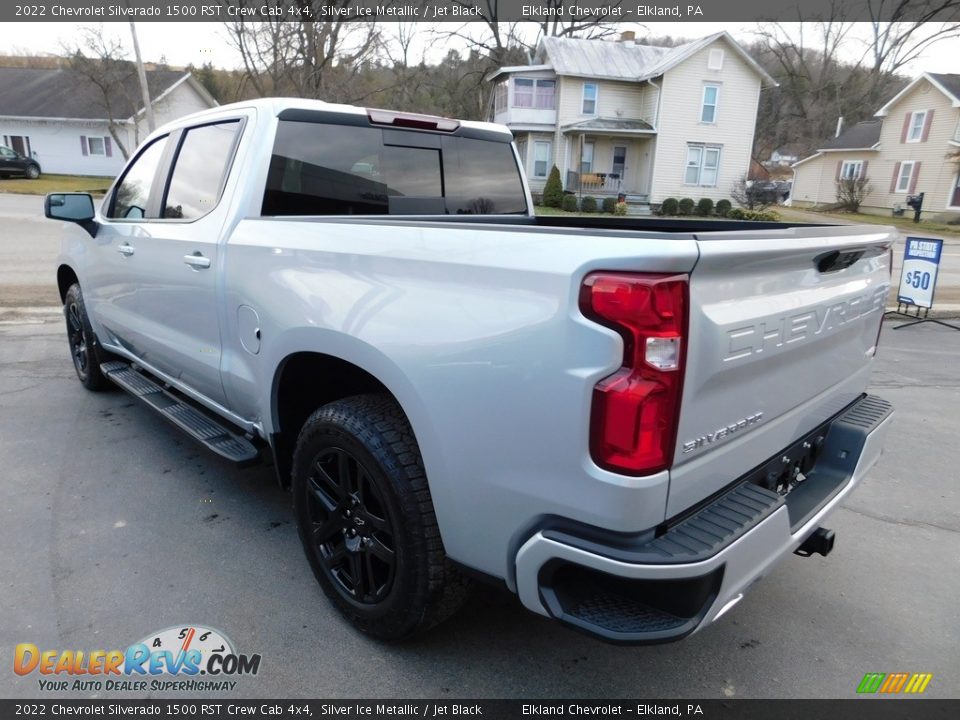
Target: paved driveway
<point>113,526</point>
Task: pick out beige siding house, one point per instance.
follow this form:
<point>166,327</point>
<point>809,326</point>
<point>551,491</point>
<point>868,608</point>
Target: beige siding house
<point>912,138</point>
<point>625,118</point>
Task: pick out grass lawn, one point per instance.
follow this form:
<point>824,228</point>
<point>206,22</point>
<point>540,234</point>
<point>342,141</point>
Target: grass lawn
<point>903,223</point>
<point>55,183</point>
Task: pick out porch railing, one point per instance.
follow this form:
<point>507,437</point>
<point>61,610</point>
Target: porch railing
<point>594,182</point>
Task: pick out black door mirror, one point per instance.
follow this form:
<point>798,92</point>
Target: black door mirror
<point>71,207</point>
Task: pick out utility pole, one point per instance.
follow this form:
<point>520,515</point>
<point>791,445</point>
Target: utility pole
<point>142,74</point>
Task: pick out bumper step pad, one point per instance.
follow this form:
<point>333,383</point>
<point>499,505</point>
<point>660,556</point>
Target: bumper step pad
<point>643,610</point>
<point>195,423</point>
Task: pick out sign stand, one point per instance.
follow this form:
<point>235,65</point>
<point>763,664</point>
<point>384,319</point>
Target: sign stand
<point>918,280</point>
<point>915,317</point>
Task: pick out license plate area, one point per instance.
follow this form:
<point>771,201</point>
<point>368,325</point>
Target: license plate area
<point>789,468</point>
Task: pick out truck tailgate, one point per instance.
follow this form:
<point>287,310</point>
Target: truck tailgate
<point>783,329</point>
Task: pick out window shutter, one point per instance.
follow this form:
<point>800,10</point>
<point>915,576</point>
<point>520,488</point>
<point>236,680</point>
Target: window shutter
<point>108,147</point>
<point>83,144</point>
<point>839,170</point>
<point>863,169</point>
<point>914,177</point>
<point>928,120</point>
<point>906,127</point>
<point>896,174</point>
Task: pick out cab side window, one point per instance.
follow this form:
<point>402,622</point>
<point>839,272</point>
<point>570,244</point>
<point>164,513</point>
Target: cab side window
<point>199,170</point>
<point>130,198</point>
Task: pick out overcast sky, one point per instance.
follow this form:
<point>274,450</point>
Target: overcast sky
<point>184,42</point>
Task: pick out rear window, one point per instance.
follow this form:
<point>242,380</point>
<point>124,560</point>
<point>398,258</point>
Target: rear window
<point>323,169</point>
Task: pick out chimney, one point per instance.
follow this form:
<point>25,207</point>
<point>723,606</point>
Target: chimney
<point>628,36</point>
<point>839,126</point>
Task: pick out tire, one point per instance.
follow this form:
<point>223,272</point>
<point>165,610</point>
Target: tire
<point>84,348</point>
<point>366,519</point>
<point>33,172</point>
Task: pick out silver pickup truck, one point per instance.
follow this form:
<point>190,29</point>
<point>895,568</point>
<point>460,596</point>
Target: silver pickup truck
<point>624,421</point>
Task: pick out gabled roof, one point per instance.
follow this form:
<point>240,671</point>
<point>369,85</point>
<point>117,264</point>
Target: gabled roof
<point>947,83</point>
<point>628,60</point>
<point>862,136</point>
<point>69,94</point>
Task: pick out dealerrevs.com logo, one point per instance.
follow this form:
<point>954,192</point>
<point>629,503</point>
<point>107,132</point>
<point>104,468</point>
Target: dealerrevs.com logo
<point>180,658</point>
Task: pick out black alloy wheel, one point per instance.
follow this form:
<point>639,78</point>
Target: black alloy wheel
<point>84,349</point>
<point>77,337</point>
<point>366,519</point>
<point>352,530</point>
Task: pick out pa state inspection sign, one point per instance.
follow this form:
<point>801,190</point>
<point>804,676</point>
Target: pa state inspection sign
<point>918,277</point>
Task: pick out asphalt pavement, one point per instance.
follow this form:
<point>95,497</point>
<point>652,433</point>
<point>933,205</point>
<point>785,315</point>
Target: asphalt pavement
<point>115,526</point>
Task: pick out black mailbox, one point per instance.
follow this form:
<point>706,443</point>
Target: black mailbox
<point>916,202</point>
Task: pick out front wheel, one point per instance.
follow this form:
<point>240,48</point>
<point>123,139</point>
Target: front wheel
<point>367,522</point>
<point>83,344</point>
<point>33,172</point>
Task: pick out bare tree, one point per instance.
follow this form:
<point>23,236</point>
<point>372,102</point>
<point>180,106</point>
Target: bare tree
<point>103,63</point>
<point>806,62</point>
<point>817,84</point>
<point>851,192</point>
<point>897,42</point>
<point>311,59</point>
<point>501,41</point>
<point>397,45</point>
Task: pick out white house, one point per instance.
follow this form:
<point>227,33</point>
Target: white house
<point>622,117</point>
<point>907,149</point>
<point>60,118</point>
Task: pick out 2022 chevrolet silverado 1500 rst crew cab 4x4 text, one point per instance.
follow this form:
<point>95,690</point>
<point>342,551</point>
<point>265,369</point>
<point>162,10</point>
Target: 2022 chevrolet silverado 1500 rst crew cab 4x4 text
<point>625,422</point>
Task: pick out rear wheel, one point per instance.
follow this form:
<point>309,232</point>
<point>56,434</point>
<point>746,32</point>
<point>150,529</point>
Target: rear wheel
<point>366,519</point>
<point>83,343</point>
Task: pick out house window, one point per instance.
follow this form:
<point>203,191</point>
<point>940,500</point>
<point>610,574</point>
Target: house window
<point>523,93</point>
<point>711,96</point>
<point>703,165</point>
<point>715,61</point>
<point>917,120</point>
<point>851,169</point>
<point>589,106</point>
<point>544,94</point>
<point>531,93</point>
<point>96,146</point>
<point>903,177</point>
<point>541,159</point>
<point>500,98</point>
<point>586,158</point>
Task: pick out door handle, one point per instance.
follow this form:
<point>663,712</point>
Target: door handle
<point>126,249</point>
<point>197,261</point>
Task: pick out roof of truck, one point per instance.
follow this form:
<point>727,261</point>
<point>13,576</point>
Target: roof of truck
<point>277,105</point>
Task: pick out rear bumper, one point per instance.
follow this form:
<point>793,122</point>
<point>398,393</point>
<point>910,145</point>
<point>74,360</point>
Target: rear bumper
<point>667,584</point>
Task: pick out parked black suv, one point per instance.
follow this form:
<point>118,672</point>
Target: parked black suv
<point>13,163</point>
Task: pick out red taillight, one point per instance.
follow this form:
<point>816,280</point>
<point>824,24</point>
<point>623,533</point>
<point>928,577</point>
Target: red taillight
<point>633,422</point>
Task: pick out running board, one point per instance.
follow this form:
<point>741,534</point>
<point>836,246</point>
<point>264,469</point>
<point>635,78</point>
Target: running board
<point>199,426</point>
